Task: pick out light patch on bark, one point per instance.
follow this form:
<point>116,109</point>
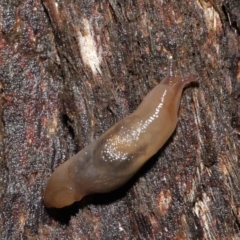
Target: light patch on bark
<point>212,20</point>
<point>202,211</point>
<point>90,55</point>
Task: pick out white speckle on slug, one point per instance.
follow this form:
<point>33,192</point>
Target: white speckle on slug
<point>128,137</point>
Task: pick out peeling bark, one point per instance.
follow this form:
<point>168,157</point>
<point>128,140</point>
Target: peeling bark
<point>71,69</point>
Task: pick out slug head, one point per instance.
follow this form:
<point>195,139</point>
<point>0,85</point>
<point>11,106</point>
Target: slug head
<point>61,190</point>
<point>179,83</point>
<point>176,82</point>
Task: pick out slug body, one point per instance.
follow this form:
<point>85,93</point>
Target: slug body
<point>117,155</point>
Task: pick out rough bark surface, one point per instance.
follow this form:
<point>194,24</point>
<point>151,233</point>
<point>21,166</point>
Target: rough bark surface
<point>70,69</point>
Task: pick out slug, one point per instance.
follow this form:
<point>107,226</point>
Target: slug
<point>112,159</point>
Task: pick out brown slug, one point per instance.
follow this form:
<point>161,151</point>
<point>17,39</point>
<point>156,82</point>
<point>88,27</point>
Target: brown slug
<point>112,159</point>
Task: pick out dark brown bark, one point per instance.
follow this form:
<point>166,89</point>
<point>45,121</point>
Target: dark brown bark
<point>71,69</point>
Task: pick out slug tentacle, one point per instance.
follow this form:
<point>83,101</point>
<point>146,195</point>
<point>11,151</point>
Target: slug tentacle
<point>170,67</point>
<point>117,155</point>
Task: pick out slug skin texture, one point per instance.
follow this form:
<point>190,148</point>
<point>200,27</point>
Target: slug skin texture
<point>117,155</point>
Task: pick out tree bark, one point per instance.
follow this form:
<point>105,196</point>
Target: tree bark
<point>71,69</point>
